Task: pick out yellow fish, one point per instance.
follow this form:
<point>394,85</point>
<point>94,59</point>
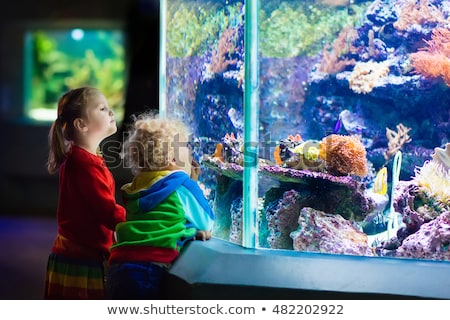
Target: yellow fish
<point>380,182</point>
<point>312,152</point>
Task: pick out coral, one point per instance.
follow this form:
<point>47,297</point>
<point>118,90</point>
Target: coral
<point>415,208</point>
<point>434,60</point>
<point>192,29</point>
<point>396,140</point>
<point>431,241</point>
<point>341,195</point>
<point>233,149</point>
<point>291,28</point>
<point>434,179</point>
<point>368,75</point>
<point>282,219</point>
<point>331,62</point>
<point>221,58</point>
<point>344,155</point>
<point>413,13</point>
<point>442,156</point>
<point>328,233</point>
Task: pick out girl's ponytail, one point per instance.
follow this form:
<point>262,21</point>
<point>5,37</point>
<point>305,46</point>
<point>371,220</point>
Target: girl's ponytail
<point>57,146</point>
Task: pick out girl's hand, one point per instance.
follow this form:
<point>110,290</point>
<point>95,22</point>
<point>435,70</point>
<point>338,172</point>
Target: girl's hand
<point>202,235</point>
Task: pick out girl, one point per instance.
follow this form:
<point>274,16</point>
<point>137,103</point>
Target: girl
<point>165,208</point>
<point>87,211</point>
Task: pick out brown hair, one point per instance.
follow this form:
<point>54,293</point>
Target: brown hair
<point>71,105</point>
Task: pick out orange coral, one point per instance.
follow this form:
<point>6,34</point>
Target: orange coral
<point>331,55</point>
<point>220,59</point>
<point>433,61</point>
<point>344,155</point>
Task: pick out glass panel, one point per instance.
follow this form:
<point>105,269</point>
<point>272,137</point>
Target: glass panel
<point>60,59</point>
<point>204,86</point>
<point>353,105</point>
<point>352,120</point>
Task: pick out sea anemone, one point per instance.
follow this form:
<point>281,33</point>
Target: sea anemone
<point>434,180</point>
<point>343,155</point>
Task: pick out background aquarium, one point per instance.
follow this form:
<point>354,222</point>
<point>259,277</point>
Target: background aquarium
<point>349,128</point>
<point>60,59</point>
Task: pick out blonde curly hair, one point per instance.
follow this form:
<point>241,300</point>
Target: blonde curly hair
<point>153,142</point>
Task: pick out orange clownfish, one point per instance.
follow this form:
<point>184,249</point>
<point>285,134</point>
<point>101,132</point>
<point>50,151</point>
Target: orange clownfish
<point>277,157</point>
<point>218,152</point>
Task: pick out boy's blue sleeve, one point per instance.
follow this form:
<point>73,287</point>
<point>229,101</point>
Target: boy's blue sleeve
<point>196,208</point>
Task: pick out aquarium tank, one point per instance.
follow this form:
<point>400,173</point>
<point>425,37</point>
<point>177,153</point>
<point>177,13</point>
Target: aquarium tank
<point>58,59</point>
<point>321,126</point>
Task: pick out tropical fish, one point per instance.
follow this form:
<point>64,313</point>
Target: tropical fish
<point>312,151</point>
<point>380,182</point>
<point>312,154</point>
<point>337,126</point>
<point>218,152</point>
<point>374,223</point>
<point>298,149</point>
<point>277,157</point>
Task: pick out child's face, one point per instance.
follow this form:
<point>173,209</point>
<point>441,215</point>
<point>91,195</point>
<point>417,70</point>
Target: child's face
<point>100,118</point>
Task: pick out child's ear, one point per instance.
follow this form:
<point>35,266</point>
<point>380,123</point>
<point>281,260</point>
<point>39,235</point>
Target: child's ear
<point>79,124</point>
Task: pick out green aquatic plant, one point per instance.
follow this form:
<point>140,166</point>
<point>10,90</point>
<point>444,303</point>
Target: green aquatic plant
<point>192,29</point>
<point>293,28</point>
<point>59,64</point>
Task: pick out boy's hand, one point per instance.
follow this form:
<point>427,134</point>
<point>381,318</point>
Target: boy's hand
<point>195,170</point>
<point>202,235</point>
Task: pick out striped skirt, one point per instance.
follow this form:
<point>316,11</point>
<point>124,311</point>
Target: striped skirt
<point>73,278</point>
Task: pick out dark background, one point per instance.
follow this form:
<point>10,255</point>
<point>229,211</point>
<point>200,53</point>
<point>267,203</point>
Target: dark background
<point>28,193</point>
<point>25,186</point>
